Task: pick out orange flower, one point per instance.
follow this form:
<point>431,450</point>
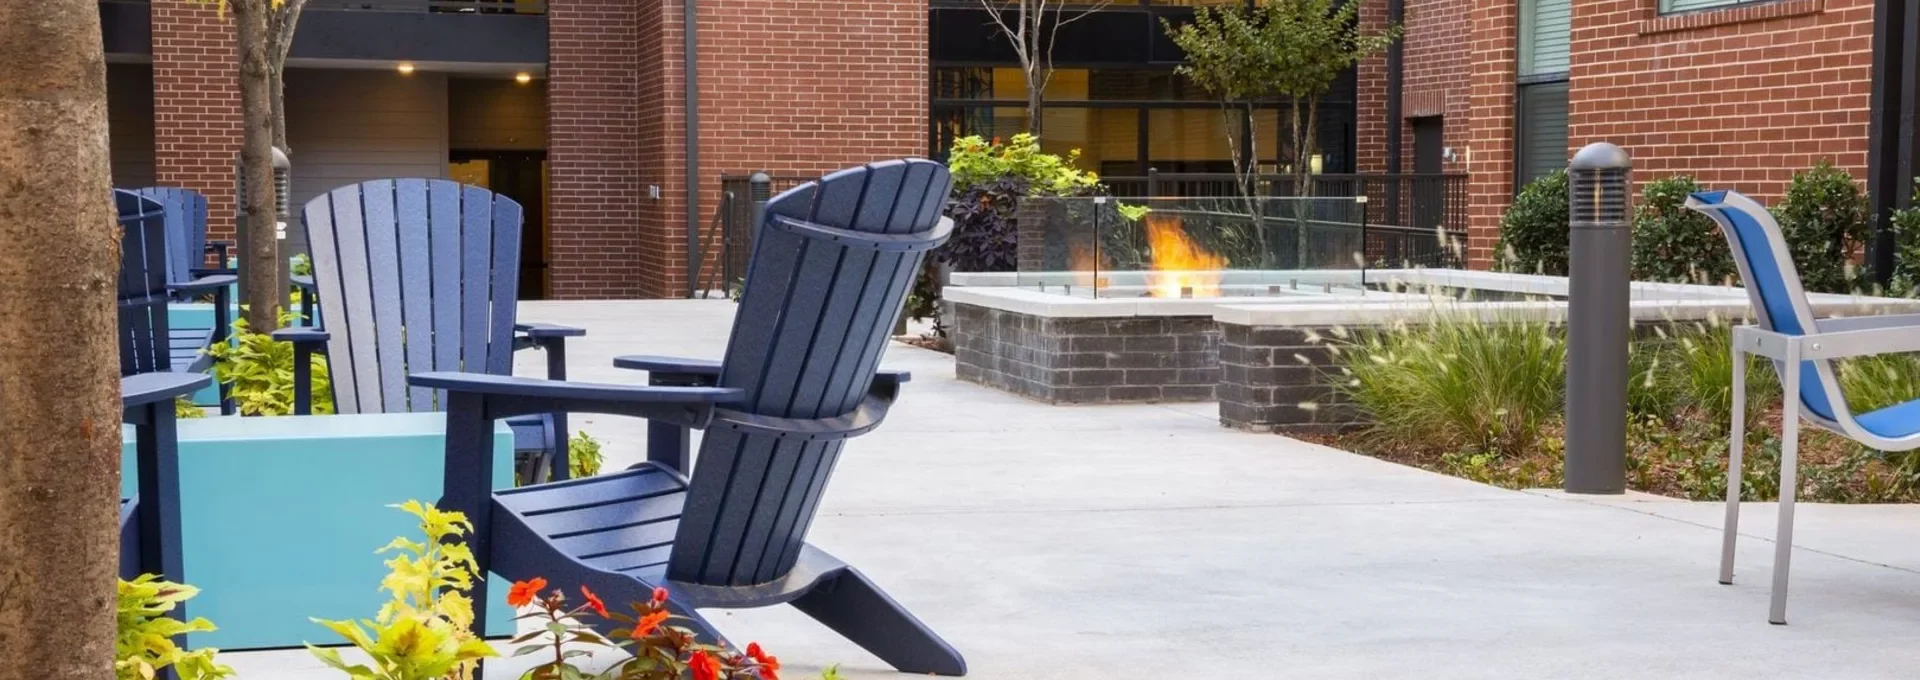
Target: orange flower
<point>659,595</point>
<point>523,592</point>
<point>593,601</point>
<point>769,664</point>
<point>647,624</point>
<point>704,667</point>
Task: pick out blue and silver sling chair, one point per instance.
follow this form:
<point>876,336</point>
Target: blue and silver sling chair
<point>1802,349</point>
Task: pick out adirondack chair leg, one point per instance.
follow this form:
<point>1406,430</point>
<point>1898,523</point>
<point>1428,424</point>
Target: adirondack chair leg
<point>857,609</point>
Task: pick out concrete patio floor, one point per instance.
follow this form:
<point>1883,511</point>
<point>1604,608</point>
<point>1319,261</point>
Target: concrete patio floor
<point>1148,542</point>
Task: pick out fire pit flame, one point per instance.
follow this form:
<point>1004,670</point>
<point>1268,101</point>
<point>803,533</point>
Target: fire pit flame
<point>1181,267</point>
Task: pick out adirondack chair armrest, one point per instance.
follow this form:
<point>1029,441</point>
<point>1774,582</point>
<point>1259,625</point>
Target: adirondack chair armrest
<point>548,330</point>
<point>505,396</point>
<point>198,272</point>
<point>907,243</point>
<point>868,415</point>
<point>205,284</point>
<point>303,335</point>
<point>147,388</point>
<point>683,369</point>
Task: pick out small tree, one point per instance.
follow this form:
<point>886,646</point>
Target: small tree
<point>1288,49</point>
<point>1033,26</point>
<point>263,34</point>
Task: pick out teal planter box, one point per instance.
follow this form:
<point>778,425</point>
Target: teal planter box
<point>280,517</point>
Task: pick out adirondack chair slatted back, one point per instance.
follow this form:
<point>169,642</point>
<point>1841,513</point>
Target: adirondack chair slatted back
<point>806,342</point>
<point>1772,282</point>
<point>415,275</point>
<point>142,286</point>
<point>186,211</point>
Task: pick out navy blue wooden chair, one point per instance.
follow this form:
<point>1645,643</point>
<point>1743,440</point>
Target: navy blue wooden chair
<point>158,219</point>
<point>831,269</point>
<point>422,275</point>
<point>187,227</point>
<point>150,521</point>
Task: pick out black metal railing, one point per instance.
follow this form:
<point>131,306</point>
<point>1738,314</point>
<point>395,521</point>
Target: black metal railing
<point>435,6</point>
<point>728,242</point>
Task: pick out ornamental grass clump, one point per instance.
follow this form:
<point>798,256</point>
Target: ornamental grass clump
<point>1454,384</point>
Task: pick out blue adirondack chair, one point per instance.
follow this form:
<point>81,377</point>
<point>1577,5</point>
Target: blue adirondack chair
<point>150,521</point>
<point>147,341</point>
<point>830,273</point>
<point>421,275</point>
<point>187,226</point>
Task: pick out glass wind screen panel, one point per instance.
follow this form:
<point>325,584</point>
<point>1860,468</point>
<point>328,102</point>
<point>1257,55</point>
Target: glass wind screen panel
<point>1546,28</point>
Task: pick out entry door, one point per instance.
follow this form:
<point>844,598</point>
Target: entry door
<point>1429,188</point>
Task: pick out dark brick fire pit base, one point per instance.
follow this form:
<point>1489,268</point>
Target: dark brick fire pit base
<point>1280,379</point>
<point>1096,360</point>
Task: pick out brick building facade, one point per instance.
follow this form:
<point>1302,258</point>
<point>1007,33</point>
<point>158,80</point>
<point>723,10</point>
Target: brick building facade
<point>797,87</point>
<point>1739,95</point>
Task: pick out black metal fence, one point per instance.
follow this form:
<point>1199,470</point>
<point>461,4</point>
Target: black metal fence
<point>728,242</point>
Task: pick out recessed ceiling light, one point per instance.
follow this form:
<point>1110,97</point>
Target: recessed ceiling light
<point>406,68</point>
<point>523,77</point>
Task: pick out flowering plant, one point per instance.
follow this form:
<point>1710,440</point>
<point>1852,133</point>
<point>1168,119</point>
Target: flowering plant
<point>661,651</point>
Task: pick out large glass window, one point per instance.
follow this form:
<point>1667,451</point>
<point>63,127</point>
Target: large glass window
<point>1540,129</point>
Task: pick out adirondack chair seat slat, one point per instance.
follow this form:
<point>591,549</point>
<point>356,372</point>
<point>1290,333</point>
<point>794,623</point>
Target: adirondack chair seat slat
<point>632,484</point>
<point>828,277</point>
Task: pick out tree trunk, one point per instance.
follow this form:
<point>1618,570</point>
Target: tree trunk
<point>1036,95</point>
<point>260,287</point>
<point>277,90</point>
<point>59,377</point>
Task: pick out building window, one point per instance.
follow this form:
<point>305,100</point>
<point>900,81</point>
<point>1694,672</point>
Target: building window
<point>1540,129</point>
<point>1685,6</point>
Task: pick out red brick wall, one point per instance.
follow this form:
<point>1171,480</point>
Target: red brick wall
<point>1370,99</point>
<point>792,87</point>
<point>1492,65</point>
<point>1437,75</point>
<point>1739,97</point>
<point>196,109</point>
<point>593,150</point>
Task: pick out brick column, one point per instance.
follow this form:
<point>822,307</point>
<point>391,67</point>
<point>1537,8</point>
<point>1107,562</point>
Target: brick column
<point>1494,33</point>
<point>1370,102</point>
<point>593,153</point>
<point>196,105</point>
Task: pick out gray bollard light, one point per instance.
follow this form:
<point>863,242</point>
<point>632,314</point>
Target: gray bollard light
<point>1598,319</point>
<point>282,190</point>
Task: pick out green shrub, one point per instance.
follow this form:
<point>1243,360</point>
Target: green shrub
<point>1674,244</point>
<point>1533,233</point>
<point>1906,254</point>
<point>1459,385</point>
<point>183,407</point>
<point>974,161</point>
<point>258,371</point>
<point>1824,220</point>
<point>583,456</point>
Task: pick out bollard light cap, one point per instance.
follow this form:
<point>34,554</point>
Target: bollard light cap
<point>1601,156</point>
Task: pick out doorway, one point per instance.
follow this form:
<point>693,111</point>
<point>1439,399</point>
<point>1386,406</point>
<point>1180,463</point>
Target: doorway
<point>1429,158</point>
<point>521,176</point>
